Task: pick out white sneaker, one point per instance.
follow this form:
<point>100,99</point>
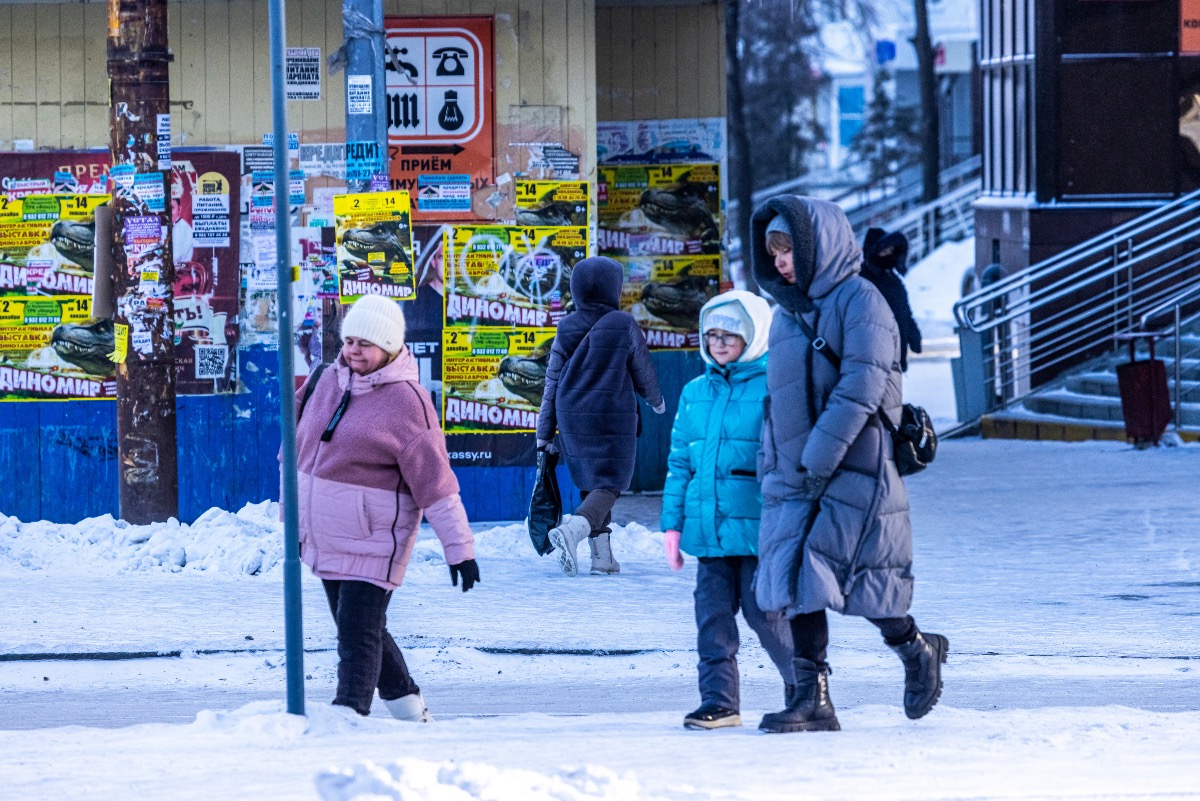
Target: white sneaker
<point>410,708</point>
<point>566,538</point>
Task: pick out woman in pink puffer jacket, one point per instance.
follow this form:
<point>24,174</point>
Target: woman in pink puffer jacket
<point>372,461</point>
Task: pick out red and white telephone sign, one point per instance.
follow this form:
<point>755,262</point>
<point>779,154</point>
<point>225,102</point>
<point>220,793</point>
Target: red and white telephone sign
<point>440,103</point>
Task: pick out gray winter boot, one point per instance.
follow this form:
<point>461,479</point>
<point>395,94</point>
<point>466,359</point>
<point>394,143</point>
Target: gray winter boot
<point>922,658</point>
<point>809,708</point>
<point>566,538</point>
<point>603,563</point>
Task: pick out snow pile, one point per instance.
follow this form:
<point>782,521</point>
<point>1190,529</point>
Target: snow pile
<point>245,543</point>
<point>420,780</point>
<point>248,543</point>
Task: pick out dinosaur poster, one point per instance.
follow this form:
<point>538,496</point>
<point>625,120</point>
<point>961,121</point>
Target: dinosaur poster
<point>665,294</point>
<point>660,210</point>
<point>47,244</point>
<point>552,203</point>
<point>505,276</point>
<point>52,349</point>
<point>374,246</point>
<point>492,380</point>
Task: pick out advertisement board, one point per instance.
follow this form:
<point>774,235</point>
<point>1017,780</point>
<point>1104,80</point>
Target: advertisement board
<point>659,210</point>
<point>440,110</point>
<point>665,295</point>
<point>492,380</point>
<point>52,349</point>
<point>374,246</point>
<point>510,276</point>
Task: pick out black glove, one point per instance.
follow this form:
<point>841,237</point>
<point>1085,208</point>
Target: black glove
<point>469,571</point>
<point>812,486</point>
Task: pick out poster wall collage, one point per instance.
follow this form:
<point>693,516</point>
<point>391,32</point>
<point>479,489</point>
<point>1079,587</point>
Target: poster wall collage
<point>482,282</point>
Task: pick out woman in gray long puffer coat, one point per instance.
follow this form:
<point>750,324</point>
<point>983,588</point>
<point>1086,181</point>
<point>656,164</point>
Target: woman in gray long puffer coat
<point>835,532</point>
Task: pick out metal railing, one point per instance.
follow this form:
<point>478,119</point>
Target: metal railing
<point>1175,305</point>
<point>926,225</point>
<point>1024,330</point>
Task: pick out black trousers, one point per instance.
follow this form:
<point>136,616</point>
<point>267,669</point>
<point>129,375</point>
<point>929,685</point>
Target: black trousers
<point>810,633</point>
<point>368,657</point>
<point>596,507</point>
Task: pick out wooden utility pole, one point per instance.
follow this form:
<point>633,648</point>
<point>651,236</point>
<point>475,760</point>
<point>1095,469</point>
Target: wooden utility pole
<point>927,78</point>
<point>143,265</point>
<point>741,177</point>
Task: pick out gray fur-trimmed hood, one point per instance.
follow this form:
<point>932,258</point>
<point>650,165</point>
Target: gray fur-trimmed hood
<point>824,250</point>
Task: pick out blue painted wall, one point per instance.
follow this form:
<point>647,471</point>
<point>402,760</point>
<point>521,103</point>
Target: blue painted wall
<point>58,460</point>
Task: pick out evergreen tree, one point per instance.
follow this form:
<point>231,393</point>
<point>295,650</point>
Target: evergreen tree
<point>890,136</point>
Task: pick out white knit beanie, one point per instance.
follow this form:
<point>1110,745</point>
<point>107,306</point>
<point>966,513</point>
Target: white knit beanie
<point>377,320</point>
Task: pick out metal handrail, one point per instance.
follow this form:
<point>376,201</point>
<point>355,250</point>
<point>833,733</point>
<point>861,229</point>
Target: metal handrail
<point>898,202</point>
<point>1128,276</point>
<point>1100,246</point>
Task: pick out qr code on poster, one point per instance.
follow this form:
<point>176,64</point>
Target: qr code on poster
<point>210,361</point>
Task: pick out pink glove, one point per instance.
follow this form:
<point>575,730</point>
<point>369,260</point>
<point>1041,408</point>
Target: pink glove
<point>671,545</point>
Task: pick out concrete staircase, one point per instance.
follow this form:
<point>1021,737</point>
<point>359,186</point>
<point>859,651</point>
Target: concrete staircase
<point>1086,403</point>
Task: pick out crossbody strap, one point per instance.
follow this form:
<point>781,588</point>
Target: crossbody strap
<point>310,387</point>
<point>822,347</point>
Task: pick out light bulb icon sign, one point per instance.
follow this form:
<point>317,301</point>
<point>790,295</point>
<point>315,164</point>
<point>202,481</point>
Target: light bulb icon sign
<point>450,118</point>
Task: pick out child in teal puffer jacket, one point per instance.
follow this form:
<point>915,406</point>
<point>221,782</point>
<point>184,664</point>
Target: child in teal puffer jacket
<point>712,502</point>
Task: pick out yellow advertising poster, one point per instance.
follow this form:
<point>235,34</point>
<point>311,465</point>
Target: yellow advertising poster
<point>659,210</point>
<point>374,246</point>
<point>665,294</point>
<point>492,380</point>
<point>47,244</point>
<point>506,275</point>
<point>51,349</point>
<point>552,203</point>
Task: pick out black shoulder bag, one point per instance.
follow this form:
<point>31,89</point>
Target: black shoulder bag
<point>914,442</point>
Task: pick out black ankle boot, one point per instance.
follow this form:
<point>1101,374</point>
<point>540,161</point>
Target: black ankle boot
<point>809,708</point>
<point>922,658</point>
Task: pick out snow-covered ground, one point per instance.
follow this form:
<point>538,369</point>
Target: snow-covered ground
<point>1067,578</point>
<point>934,284</point>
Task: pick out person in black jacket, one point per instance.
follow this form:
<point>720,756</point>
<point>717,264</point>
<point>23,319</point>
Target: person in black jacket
<point>598,362</point>
<point>885,259</point>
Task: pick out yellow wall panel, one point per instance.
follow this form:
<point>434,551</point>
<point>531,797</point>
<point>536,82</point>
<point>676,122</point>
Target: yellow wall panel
<point>24,58</point>
<point>216,68</point>
<point>244,93</point>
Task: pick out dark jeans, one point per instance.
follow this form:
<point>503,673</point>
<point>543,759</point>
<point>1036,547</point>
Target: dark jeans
<point>368,657</point>
<point>810,633</point>
<point>596,507</point>
<point>723,584</point>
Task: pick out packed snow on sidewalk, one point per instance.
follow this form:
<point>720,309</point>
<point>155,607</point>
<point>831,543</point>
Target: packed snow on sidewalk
<point>1067,578</point>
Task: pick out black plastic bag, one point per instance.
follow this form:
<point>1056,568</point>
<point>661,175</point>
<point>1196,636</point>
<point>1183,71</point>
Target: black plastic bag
<point>545,507</point>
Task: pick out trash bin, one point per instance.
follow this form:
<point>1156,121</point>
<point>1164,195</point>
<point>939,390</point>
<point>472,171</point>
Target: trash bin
<point>1145,397</point>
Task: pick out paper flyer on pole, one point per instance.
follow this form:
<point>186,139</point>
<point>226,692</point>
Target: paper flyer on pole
<point>374,245</point>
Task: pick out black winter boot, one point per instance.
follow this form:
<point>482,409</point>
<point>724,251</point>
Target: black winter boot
<point>809,708</point>
<point>922,658</point>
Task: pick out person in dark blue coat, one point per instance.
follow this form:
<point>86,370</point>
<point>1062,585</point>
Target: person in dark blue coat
<point>598,365</point>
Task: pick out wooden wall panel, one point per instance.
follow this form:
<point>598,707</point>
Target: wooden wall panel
<point>6,76</point>
<point>215,60</point>
<point>24,56</point>
<point>245,93</point>
<point>47,67</point>
<point>95,74</point>
<point>661,62</point>
<point>72,90</point>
